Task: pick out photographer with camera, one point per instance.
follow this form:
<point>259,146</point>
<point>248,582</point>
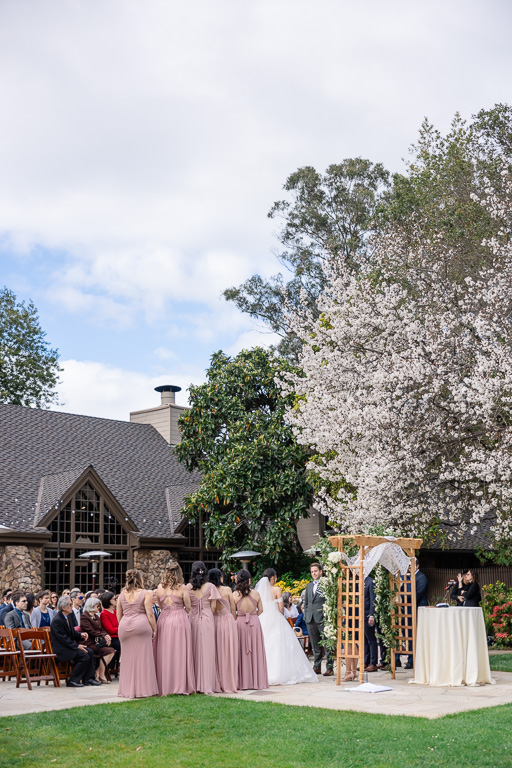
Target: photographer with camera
<point>466,591</point>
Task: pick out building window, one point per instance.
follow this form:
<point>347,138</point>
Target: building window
<point>86,523</point>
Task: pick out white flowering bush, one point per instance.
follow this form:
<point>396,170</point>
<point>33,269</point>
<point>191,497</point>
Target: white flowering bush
<point>406,384</point>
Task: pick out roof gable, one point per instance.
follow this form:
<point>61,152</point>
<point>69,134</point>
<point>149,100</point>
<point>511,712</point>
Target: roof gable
<point>44,453</point>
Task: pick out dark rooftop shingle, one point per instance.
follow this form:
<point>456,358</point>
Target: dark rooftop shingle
<point>42,453</point>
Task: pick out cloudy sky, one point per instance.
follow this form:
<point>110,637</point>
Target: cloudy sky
<point>142,143</point>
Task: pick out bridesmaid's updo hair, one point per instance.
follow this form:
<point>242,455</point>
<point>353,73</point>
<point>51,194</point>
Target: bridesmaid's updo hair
<point>243,582</point>
<point>173,575</point>
<point>198,576</point>
<point>214,577</point>
<point>269,573</point>
<point>134,580</point>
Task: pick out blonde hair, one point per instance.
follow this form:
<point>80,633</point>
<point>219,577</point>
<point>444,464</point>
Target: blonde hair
<point>134,580</point>
<point>173,575</point>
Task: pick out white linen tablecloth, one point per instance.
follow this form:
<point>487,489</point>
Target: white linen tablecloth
<point>451,647</point>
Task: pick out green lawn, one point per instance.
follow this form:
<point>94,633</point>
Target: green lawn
<point>501,662</point>
<point>199,731</point>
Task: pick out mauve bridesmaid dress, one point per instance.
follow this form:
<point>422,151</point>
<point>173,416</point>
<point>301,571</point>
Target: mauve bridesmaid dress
<point>202,625</point>
<point>173,648</point>
<point>137,676</point>
<point>226,639</point>
<point>252,661</point>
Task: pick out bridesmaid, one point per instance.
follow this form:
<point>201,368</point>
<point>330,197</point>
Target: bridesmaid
<point>226,637</point>
<point>137,626</point>
<point>173,640</point>
<point>203,599</point>
<point>252,663</point>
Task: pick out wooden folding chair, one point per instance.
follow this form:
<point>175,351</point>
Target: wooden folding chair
<point>291,621</point>
<point>38,662</point>
<point>9,655</point>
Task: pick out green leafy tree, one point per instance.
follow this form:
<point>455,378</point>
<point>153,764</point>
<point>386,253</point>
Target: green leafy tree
<point>325,218</point>
<point>253,486</point>
<point>29,370</point>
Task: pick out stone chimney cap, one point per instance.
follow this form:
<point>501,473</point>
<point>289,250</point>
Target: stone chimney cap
<point>168,388</point>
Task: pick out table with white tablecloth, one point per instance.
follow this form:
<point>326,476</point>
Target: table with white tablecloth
<point>451,647</point>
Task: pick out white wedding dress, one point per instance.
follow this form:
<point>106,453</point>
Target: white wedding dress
<point>287,664</point>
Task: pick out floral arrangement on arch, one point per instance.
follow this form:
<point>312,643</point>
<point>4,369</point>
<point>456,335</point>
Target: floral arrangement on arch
<point>330,558</point>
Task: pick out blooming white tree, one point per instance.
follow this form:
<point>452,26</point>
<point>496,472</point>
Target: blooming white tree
<point>406,390</point>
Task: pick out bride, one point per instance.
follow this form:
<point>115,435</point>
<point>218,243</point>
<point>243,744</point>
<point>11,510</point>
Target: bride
<point>287,663</point>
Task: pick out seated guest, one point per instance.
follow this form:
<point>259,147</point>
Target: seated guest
<point>77,601</point>
<point>108,618</point>
<point>54,599</point>
<point>68,645</point>
<point>31,603</point>
<point>300,624</point>
<point>42,615</point>
<point>18,618</point>
<point>6,597</point>
<point>290,610</point>
<point>98,639</point>
<point>6,607</point>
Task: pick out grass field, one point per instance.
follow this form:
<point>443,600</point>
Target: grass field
<point>501,662</point>
<point>203,732</point>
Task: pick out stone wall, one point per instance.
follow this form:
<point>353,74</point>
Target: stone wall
<point>152,563</point>
<point>21,567</point>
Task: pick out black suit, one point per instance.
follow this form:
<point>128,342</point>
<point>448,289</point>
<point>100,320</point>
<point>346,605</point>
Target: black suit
<point>370,640</point>
<point>421,601</point>
<point>65,641</point>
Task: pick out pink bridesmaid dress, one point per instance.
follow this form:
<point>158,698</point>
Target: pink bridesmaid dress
<point>202,625</point>
<point>137,676</point>
<point>173,648</point>
<point>252,661</point>
<point>226,640</point>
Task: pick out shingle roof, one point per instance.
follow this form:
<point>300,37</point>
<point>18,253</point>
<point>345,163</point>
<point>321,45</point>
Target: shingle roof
<point>42,453</point>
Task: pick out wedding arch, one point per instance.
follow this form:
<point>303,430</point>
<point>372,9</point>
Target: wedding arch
<point>394,554</point>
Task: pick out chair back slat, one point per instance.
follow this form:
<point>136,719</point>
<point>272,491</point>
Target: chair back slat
<point>9,655</point>
<point>37,663</point>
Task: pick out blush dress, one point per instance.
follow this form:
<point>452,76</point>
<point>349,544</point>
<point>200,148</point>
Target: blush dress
<point>202,625</point>
<point>173,648</point>
<point>137,676</point>
<point>252,661</point>
<point>226,641</point>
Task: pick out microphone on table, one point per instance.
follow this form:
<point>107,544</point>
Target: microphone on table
<point>449,587</point>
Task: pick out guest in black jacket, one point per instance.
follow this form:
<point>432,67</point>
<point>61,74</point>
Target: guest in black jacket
<point>471,592</point>
<point>66,643</point>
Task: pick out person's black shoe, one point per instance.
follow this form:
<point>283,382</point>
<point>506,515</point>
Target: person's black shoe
<point>92,681</point>
<point>72,684</point>
<point>408,666</point>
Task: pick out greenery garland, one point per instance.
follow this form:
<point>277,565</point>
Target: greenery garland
<point>384,599</point>
<point>329,557</point>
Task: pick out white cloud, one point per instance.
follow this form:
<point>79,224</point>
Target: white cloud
<point>142,144</point>
<point>95,389</point>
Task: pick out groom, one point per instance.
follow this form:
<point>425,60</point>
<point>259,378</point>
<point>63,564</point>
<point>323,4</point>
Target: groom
<point>314,616</point>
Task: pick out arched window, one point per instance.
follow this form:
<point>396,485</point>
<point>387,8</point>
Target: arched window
<point>86,522</point>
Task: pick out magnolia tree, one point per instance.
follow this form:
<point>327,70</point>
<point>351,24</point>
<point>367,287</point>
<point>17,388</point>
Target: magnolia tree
<point>406,385</point>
